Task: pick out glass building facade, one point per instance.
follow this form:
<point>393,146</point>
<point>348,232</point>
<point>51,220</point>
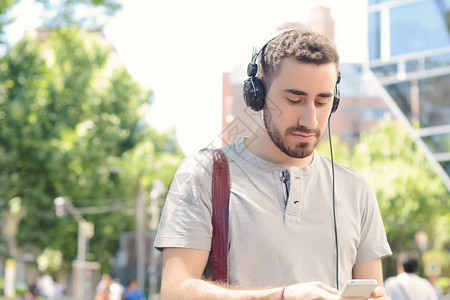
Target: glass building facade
<point>409,54</point>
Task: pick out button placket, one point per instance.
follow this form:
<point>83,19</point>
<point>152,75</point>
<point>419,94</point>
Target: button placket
<point>294,205</point>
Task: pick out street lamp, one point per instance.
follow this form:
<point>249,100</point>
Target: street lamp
<point>63,205</point>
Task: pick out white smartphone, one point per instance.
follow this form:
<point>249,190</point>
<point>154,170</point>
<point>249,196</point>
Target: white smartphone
<point>358,288</point>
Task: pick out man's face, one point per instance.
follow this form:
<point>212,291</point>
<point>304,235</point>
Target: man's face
<point>298,104</point>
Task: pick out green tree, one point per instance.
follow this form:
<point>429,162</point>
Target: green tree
<point>5,20</point>
<point>71,122</point>
<point>410,194</point>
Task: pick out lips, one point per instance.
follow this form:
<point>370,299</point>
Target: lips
<point>303,136</point>
<point>303,131</point>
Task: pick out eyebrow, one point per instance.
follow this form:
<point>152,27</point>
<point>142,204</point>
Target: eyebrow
<point>302,93</point>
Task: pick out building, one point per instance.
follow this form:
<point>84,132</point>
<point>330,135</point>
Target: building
<point>360,107</point>
<point>409,55</point>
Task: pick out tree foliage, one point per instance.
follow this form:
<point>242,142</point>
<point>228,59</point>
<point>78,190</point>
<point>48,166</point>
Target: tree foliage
<point>410,194</point>
<point>71,120</point>
<point>5,20</point>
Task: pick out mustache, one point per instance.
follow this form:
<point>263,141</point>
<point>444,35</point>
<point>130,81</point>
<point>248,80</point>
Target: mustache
<point>303,129</point>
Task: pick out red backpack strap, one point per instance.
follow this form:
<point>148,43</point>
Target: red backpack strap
<point>220,208</point>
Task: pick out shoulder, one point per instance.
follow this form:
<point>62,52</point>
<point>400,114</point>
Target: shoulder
<point>391,285</point>
<point>198,160</point>
<point>425,282</point>
<point>198,167</point>
<point>193,173</point>
<point>390,281</point>
<point>344,175</point>
<point>202,161</point>
<point>199,163</point>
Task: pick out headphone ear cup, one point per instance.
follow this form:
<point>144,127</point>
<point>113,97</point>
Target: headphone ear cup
<point>254,94</point>
<point>336,99</point>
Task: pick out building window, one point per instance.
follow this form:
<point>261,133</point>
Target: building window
<point>373,2</point>
<point>437,61</point>
<point>385,70</point>
<point>434,101</point>
<point>418,26</point>
<point>400,92</point>
<point>438,143</point>
<point>374,35</point>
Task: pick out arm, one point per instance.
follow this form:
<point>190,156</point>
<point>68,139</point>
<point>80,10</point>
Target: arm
<point>181,279</point>
<point>369,270</point>
<point>372,270</point>
<point>183,269</point>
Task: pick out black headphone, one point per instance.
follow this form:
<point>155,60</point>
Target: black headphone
<point>254,92</point>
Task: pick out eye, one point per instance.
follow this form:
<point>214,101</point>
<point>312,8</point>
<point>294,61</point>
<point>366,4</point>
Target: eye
<point>322,101</point>
<point>293,101</point>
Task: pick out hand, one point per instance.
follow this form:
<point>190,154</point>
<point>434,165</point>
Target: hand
<point>379,293</point>
<point>320,291</point>
<point>310,290</point>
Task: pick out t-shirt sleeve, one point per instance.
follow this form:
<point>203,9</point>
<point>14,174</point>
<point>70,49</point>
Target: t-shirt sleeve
<point>373,242</point>
<point>186,217</point>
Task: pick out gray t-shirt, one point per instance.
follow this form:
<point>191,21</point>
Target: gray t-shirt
<point>281,228</point>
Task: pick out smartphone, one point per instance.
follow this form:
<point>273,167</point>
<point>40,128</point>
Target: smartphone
<point>358,288</point>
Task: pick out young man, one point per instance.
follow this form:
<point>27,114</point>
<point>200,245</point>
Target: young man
<point>408,285</point>
<point>281,224</point>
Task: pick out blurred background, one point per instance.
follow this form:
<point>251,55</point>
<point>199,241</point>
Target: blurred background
<point>100,100</point>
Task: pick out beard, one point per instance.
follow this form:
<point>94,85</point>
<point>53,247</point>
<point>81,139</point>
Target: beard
<point>297,150</point>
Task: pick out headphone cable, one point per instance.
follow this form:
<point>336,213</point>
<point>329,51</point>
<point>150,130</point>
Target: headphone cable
<point>334,206</point>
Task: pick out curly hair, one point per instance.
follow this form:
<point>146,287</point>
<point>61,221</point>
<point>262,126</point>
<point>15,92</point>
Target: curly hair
<point>303,44</point>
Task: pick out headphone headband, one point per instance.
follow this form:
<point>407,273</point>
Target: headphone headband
<point>256,52</point>
<point>254,90</point>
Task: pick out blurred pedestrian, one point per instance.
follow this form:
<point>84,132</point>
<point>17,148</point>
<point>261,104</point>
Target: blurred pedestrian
<point>102,289</point>
<point>407,285</point>
<point>439,291</point>
<point>33,290</point>
<point>133,292</point>
<point>46,287</point>
<point>59,290</point>
<point>116,290</point>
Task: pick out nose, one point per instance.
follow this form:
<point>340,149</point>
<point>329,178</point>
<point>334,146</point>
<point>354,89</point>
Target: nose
<point>308,116</point>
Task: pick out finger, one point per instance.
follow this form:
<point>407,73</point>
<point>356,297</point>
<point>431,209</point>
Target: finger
<point>378,292</point>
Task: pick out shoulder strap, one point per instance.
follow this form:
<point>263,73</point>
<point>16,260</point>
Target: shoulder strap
<point>220,207</point>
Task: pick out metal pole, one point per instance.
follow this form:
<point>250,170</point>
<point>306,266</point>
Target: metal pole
<point>85,231</point>
<point>153,273</point>
<point>158,189</point>
<point>81,255</point>
<point>81,258</point>
<point>140,238</point>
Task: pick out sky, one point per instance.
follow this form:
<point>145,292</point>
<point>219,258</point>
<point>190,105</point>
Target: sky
<point>180,49</point>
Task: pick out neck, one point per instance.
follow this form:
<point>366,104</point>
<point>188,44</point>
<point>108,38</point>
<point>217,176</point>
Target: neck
<point>261,145</point>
